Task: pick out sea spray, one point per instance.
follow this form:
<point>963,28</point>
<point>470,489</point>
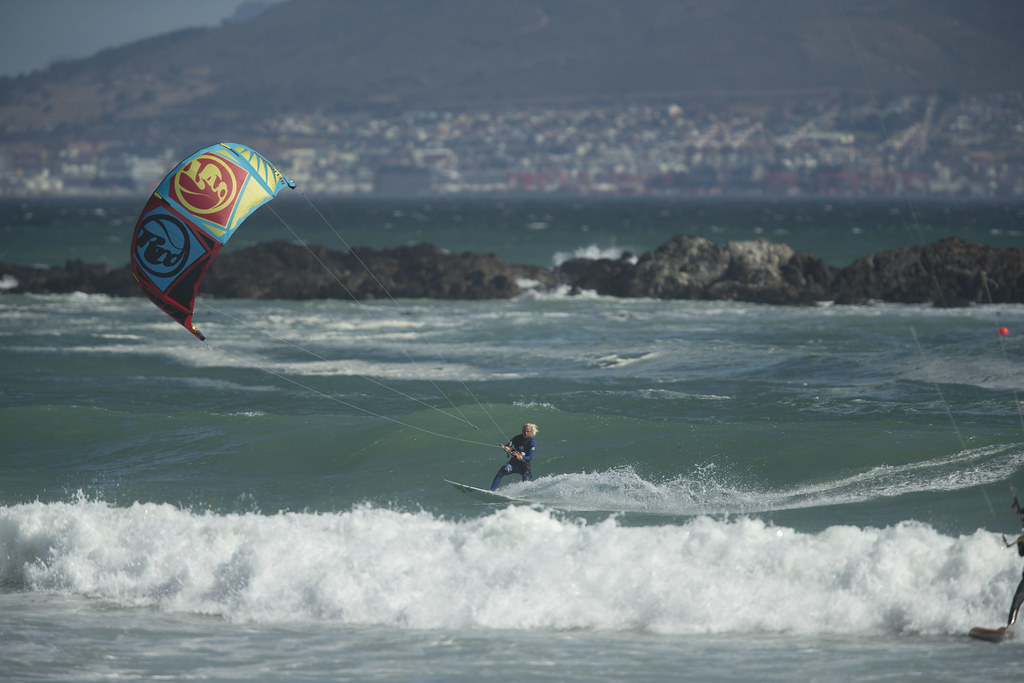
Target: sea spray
<point>517,568</point>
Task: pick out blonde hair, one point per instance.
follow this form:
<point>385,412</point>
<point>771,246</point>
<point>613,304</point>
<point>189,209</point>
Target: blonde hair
<point>532,428</point>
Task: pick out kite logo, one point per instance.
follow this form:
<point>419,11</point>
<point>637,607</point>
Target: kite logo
<point>208,186</point>
<point>162,246</point>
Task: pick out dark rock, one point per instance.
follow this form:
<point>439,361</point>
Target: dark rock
<point>947,273</point>
<point>689,267</point>
<point>74,276</point>
<point>287,271</point>
<point>604,276</point>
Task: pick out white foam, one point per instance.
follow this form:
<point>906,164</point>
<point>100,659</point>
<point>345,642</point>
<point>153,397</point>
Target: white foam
<point>559,292</point>
<point>706,491</point>
<point>966,469</point>
<point>517,569</point>
<point>592,252</point>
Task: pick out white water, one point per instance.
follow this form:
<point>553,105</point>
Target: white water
<point>515,569</point>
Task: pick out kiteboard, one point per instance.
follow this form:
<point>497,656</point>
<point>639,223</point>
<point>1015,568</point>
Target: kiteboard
<point>993,635</point>
<point>482,494</point>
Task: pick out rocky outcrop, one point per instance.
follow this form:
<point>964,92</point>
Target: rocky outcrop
<point>948,273</point>
<point>73,276</point>
<point>951,272</point>
<point>696,268</point>
<point>286,271</point>
<point>282,270</point>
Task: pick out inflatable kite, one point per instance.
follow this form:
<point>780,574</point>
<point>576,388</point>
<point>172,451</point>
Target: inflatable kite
<point>191,215</point>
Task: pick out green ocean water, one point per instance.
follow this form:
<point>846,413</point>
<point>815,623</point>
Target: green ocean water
<point>723,491</point>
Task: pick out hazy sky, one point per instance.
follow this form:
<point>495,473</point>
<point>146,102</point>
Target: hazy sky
<point>35,33</point>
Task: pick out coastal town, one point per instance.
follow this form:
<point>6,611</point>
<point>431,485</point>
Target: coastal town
<point>895,146</point>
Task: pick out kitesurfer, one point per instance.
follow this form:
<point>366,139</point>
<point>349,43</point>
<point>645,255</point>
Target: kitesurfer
<point>520,452</point>
<point>1018,597</point>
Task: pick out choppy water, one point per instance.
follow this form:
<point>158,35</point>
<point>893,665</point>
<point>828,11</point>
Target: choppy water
<point>724,491</point>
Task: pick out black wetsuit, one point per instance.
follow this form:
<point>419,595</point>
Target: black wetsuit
<point>1018,597</point>
<point>523,445</point>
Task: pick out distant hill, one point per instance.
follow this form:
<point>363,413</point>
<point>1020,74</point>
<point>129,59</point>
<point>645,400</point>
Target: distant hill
<point>344,55</point>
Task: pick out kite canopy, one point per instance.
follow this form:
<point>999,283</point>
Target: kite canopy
<point>191,215</point>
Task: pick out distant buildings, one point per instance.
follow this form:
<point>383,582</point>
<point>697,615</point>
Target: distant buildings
<point>903,146</point>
